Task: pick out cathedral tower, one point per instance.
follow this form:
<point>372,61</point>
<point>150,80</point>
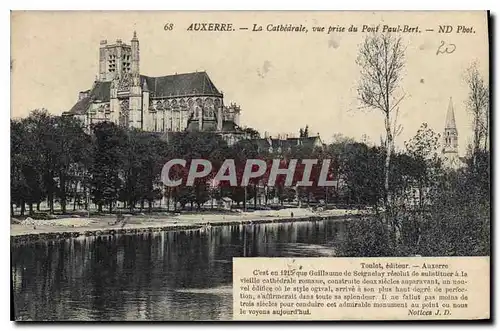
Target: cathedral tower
<point>450,137</point>
<point>116,59</point>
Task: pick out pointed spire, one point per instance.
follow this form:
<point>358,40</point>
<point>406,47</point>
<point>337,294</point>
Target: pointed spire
<point>145,86</point>
<point>450,117</point>
<point>135,36</point>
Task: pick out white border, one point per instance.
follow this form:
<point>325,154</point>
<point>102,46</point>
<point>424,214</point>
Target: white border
<point>492,5</point>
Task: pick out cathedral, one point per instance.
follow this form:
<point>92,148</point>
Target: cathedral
<point>120,94</point>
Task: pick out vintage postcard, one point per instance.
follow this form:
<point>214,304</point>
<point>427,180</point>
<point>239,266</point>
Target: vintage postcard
<point>208,166</point>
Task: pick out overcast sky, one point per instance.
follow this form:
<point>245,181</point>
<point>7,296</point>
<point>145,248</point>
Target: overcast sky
<point>282,80</point>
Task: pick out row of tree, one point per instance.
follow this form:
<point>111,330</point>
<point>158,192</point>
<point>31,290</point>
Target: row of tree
<point>54,160</point>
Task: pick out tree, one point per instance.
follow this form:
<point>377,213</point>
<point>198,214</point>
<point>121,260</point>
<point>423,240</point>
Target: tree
<point>48,155</point>
<point>363,173</point>
<point>24,178</point>
<point>478,105</point>
<point>337,151</point>
<point>41,153</point>
<point>71,147</point>
<point>426,162</point>
<point>381,59</point>
<point>198,145</point>
<point>242,151</point>
<point>143,160</point>
<point>459,219</point>
<point>109,150</point>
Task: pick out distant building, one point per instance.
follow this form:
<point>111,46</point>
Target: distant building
<point>225,203</point>
<point>419,196</point>
<point>450,155</point>
<point>172,103</point>
<point>281,145</point>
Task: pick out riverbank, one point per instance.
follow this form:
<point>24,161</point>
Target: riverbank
<point>104,225</point>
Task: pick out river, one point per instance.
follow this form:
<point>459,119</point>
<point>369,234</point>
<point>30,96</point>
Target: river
<point>166,276</point>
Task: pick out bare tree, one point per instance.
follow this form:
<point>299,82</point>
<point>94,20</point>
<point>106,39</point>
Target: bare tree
<point>381,59</point>
<point>477,104</point>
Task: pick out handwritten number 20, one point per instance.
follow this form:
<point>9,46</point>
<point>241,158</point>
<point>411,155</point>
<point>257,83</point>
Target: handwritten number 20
<point>446,49</point>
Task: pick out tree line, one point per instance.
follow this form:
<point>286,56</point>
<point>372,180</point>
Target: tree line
<point>419,206</point>
<point>54,159</point>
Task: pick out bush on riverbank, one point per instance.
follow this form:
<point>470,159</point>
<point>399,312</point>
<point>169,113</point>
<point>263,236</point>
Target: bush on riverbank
<point>364,237</point>
<point>455,222</point>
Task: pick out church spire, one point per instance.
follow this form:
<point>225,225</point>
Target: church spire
<point>450,138</point>
<point>450,117</point>
<point>135,56</point>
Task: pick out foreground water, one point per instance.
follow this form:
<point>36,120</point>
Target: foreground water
<point>184,275</point>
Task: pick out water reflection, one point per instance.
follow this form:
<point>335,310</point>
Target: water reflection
<point>183,275</point>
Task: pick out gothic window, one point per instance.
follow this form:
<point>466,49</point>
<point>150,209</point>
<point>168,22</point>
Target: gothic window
<point>174,105</point>
<point>123,118</point>
<point>208,109</point>
<point>126,66</point>
<point>198,107</point>
<point>124,82</point>
<point>126,62</point>
<point>183,105</point>
<point>166,105</point>
<point>209,103</point>
<point>160,105</point>
<point>190,106</point>
<point>112,63</point>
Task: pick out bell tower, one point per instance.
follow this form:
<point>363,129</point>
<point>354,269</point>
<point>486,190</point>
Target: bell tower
<point>450,137</point>
<point>117,60</point>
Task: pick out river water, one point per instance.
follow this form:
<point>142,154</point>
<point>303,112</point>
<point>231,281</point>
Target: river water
<point>185,275</point>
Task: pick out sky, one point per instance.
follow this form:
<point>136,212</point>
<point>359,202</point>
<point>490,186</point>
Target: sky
<point>281,80</point>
